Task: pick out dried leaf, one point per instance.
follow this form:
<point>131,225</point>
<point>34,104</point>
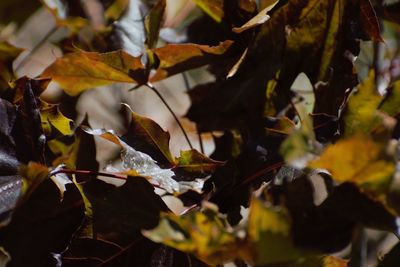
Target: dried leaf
<point>370,21</point>
<point>259,19</point>
<point>176,58</point>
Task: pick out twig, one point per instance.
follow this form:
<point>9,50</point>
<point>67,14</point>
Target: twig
<point>36,48</point>
<point>171,111</point>
<point>187,85</point>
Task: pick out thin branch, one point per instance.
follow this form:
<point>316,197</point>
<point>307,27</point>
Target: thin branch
<point>171,111</point>
<point>36,48</point>
<point>187,85</point>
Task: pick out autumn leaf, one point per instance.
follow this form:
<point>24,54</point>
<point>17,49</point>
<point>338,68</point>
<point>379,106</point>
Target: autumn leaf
<point>370,20</point>
<point>259,19</point>
<point>358,159</point>
<point>147,136</point>
<point>269,233</point>
<point>391,102</point>
<point>176,58</point>
<point>77,72</point>
<point>8,53</point>
<point>214,9</point>
<point>361,116</point>
<point>203,234</point>
<point>53,121</point>
<point>64,17</point>
<point>153,23</point>
<point>194,162</point>
<point>116,9</point>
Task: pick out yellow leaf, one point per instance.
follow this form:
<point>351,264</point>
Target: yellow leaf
<point>361,116</point>
<point>358,159</point>
<point>269,233</point>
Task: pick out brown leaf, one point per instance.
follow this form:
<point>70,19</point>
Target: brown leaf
<point>176,58</point>
<point>370,21</point>
<point>77,72</point>
<point>259,19</point>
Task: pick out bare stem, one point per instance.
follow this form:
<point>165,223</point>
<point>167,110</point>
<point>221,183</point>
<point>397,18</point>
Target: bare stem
<point>187,85</point>
<point>85,172</point>
<point>171,111</point>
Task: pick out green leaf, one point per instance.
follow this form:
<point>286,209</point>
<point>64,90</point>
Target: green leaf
<point>361,113</point>
<point>194,162</point>
<point>391,103</point>
<point>153,23</point>
<point>299,146</point>
<point>77,72</point>
<point>269,233</point>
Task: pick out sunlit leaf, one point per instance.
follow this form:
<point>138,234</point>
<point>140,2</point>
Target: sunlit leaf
<point>299,147</point>
<point>80,71</point>
<point>361,116</point>
<point>214,9</point>
<point>269,232</point>
<point>358,159</point>
<point>176,58</point>
<point>52,118</point>
<point>204,234</point>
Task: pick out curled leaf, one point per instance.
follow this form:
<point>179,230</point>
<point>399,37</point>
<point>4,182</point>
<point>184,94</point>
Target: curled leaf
<point>259,19</point>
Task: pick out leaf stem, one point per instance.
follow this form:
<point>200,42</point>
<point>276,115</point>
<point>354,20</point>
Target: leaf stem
<point>149,85</point>
<point>36,48</point>
<point>187,85</point>
<point>92,173</point>
<point>85,172</point>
